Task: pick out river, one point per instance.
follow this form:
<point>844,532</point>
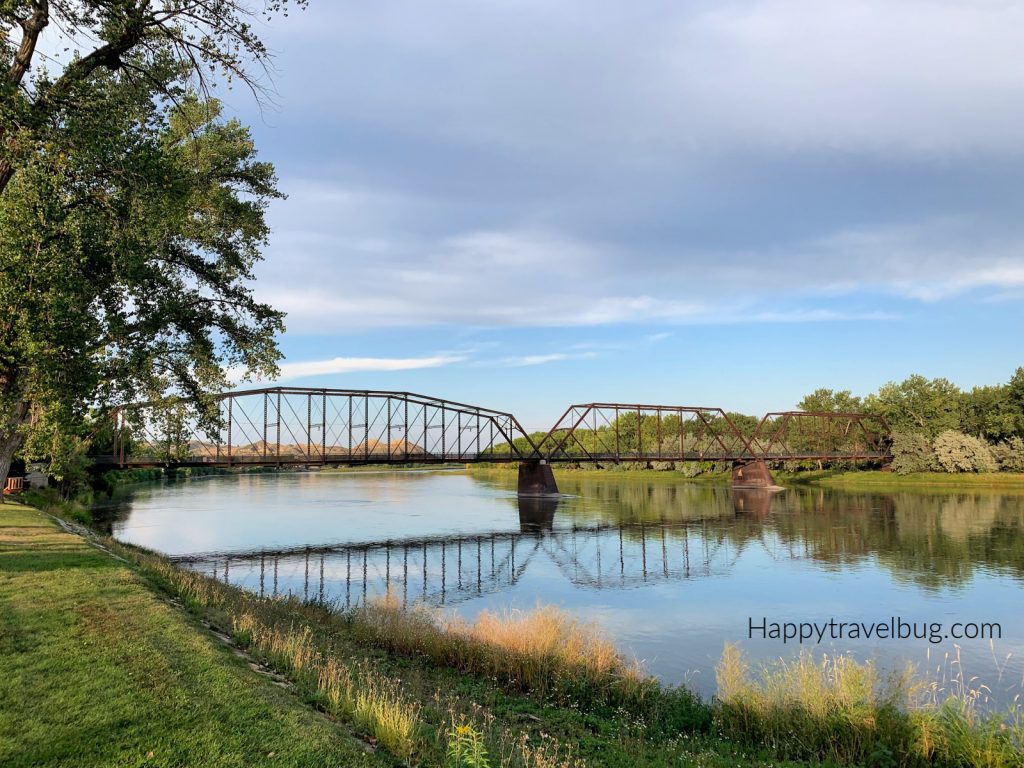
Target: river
<point>670,570</point>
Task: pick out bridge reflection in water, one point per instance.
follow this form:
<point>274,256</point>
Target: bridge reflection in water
<point>444,570</point>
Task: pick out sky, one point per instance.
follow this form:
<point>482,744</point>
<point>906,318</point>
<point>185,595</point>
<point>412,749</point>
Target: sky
<point>727,203</point>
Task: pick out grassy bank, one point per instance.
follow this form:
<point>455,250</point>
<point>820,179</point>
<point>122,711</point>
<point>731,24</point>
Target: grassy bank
<point>867,479</point>
<point>877,480</point>
<point>96,669</point>
<point>107,658</point>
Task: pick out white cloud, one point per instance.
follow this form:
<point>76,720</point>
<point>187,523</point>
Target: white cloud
<point>536,164</point>
<point>303,369</point>
<point>541,278</point>
<point>528,360</point>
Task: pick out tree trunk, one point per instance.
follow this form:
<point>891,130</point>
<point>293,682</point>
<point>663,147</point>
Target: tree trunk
<point>10,441</point>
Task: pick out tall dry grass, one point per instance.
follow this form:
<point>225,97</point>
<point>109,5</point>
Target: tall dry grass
<point>544,650</point>
<point>836,709</point>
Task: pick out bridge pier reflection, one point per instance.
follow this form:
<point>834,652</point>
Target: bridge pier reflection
<point>537,513</point>
<point>755,502</point>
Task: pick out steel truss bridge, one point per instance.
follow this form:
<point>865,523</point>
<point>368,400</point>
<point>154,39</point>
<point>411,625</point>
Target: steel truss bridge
<point>297,426</point>
<point>446,570</point>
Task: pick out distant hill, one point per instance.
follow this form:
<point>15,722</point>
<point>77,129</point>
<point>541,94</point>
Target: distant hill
<point>373,448</point>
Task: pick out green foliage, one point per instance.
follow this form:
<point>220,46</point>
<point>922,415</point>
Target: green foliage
<point>989,413</point>
<point>53,501</point>
<point>912,452</point>
<point>830,401</point>
<point>131,215</point>
<point>125,263</point>
<point>465,747</point>
<point>957,452</point>
<point>839,711</point>
<point>917,404</point>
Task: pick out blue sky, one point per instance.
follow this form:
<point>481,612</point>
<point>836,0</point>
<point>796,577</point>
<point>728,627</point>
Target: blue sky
<point>729,203</point>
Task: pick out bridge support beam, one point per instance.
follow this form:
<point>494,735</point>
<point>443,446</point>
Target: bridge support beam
<point>536,477</point>
<point>752,474</point>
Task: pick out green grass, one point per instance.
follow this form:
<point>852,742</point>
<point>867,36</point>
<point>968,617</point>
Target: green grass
<point>96,670</point>
<point>881,481</point>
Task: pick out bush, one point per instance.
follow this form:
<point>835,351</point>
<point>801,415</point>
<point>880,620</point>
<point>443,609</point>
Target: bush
<point>912,452</point>
<point>957,452</point>
<point>1009,455</point>
<point>49,500</point>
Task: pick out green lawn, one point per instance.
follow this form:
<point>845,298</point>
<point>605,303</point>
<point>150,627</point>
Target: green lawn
<point>95,669</point>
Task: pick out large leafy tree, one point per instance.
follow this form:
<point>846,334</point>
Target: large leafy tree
<point>918,404</point>
<point>127,244</point>
<point>131,214</point>
<point>989,412</point>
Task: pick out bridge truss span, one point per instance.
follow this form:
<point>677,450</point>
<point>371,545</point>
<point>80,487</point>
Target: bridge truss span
<point>283,426</point>
<point>821,436</point>
<point>613,432</point>
<point>298,426</point>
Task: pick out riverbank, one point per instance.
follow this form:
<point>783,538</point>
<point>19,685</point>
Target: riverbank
<point>862,479</point>
<point>114,656</point>
<point>108,658</point>
<point>884,481</point>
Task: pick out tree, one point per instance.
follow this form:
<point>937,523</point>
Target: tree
<point>126,247</point>
<point>988,413</point>
<point>125,263</point>
<point>1015,394</point>
<point>208,38</point>
<point>917,404</point>
<point>830,401</point>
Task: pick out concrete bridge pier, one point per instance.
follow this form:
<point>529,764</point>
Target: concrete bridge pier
<point>536,477</point>
<point>752,474</point>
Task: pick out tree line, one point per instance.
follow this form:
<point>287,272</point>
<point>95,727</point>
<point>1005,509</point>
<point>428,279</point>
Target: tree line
<point>928,424</point>
<point>936,426</point>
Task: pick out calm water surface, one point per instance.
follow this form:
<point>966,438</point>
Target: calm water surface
<point>670,570</point>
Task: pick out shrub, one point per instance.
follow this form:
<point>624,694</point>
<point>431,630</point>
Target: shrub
<point>957,452</point>
<point>912,452</point>
<point>1009,455</point>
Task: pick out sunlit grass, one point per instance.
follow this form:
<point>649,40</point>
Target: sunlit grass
<point>542,650</point>
<point>375,705</point>
<point>835,708</point>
